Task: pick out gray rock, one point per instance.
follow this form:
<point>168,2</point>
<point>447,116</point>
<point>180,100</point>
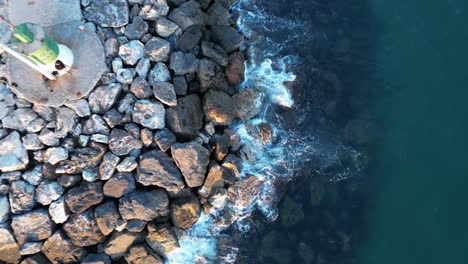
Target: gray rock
<point>48,191</point>
<point>221,146</point>
<point>180,85</point>
<point>214,52</point>
<point>131,52</point>
<point>206,72</point>
<point>69,181</point>
<point>192,160</point>
<point>143,67</point>
<point>136,29</point>
<point>120,242</point>
<point>66,121</point>
<point>9,249</point>
<point>235,70</point>
<point>111,47</point>
<point>33,176</point>
<point>81,107</point>
<point>104,97</point>
<point>144,205</point>
<point>219,107</point>
<point>108,166</point>
<point>133,129</point>
<point>186,118</point>
<point>124,76</point>
<point>159,73</point>
<point>149,114</point>
<point>161,239</point>
<point>21,197</point>
<point>113,118</point>
<point>83,230</point>
<point>164,139</point>
<point>121,142</point>
<point>119,185</point>
<point>217,14</point>
<point>100,138</point>
<point>165,27</point>
<point>135,225</point>
<point>82,158</point>
<point>164,92</point>
<point>4,209</point>
<point>185,212</point>
<point>183,63</point>
<point>80,198</point>
<point>30,248</point>
<point>227,37</point>
<point>58,211</point>
<point>187,15</point>
<point>59,249</point>
<point>107,217</point>
<point>107,13</point>
<point>95,125</point>
<point>156,168</point>
<point>96,259</point>
<point>127,165</point>
<point>154,9</point>
<point>140,88</point>
<point>189,38</point>
<point>48,138</point>
<point>90,175</point>
<point>32,142</point>
<point>157,49</point>
<point>13,156</point>
<point>141,254</point>
<point>55,155</point>
<point>247,103</point>
<point>33,226</point>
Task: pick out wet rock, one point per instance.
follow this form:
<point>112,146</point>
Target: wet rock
<point>215,52</point>
<point>104,97</point>
<point>221,146</point>
<point>55,155</point>
<point>121,142</point>
<point>13,156</point>
<point>80,198</point>
<point>107,217</point>
<point>227,37</point>
<point>144,205</point>
<point>183,63</point>
<point>58,211</point>
<point>131,52</point>
<point>108,166</point>
<point>33,226</point>
<point>266,132</point>
<point>192,160</point>
<point>219,198</point>
<point>140,88</point>
<point>161,239</point>
<point>127,165</point>
<point>214,180</point>
<point>30,248</point>
<point>4,209</point>
<point>165,27</point>
<point>247,103</point>
<point>95,125</point>
<point>66,121</point>
<point>159,73</point>
<point>141,254</point>
<point>180,85</point>
<point>219,107</point>
<point>120,242</point>
<point>82,158</point>
<point>47,138</point>
<point>243,193</point>
<point>156,168</point>
<point>48,191</point>
<point>96,259</point>
<point>107,13</point>
<point>235,70</point>
<point>149,114</point>
<point>185,212</point>
<point>154,9</point>
<point>187,15</point>
<point>21,197</point>
<point>9,249</point>
<point>83,230</point>
<point>185,119</point>
<point>119,185</point>
<point>164,92</point>
<point>189,38</point>
<point>59,249</point>
<point>233,164</point>
<point>136,29</point>
<point>32,142</point>
<point>157,49</point>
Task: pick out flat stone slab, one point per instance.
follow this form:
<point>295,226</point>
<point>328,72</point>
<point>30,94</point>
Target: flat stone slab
<point>89,64</point>
<point>44,12</point>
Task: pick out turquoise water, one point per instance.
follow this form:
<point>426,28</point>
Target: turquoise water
<point>418,205</point>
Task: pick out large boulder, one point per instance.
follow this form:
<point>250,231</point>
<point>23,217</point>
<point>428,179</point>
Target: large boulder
<point>144,205</point>
<point>227,37</point>
<point>247,103</point>
<point>81,198</point>
<point>187,15</point>
<point>185,212</point>
<point>13,156</point>
<point>156,168</point>
<point>192,159</point>
<point>59,249</point>
<point>33,226</point>
<point>119,185</point>
<point>186,118</point>
<point>107,13</point>
<point>219,107</point>
<point>83,229</point>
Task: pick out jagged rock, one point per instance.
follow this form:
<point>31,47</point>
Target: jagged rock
<point>141,254</point>
<point>146,136</point>
<point>21,197</point>
<point>159,73</point>
<point>233,164</point>
<point>83,229</point>
<point>121,142</point>
<point>81,159</point>
<point>219,198</point>
<point>266,132</point>
<point>48,138</point>
<point>247,103</point>
<point>235,70</point>
<point>142,68</point>
<point>192,160</point>
<point>113,118</point>
<point>124,76</point>
<point>119,185</point>
<point>135,225</point>
<point>80,198</point>
<point>13,156</point>
<point>221,146</point>
<point>107,13</point>
<point>96,259</point>
<point>48,191</point>
<point>108,166</point>
<point>185,212</point>
<point>66,121</point>
<point>183,63</point>
<point>68,181</point>
<point>161,239</point>
<point>244,192</point>
<point>164,92</point>
<point>219,107</point>
<point>187,15</point>
<point>58,211</point>
<point>59,249</point>
<point>214,179</point>
<point>149,114</point>
<point>140,88</point>
<point>111,47</point>
<point>120,242</point>
<point>136,29</point>
<point>4,209</point>
<point>186,118</point>
<point>30,248</point>
<point>104,97</point>
<point>81,107</point>
<point>227,37</point>
<point>206,71</point>
<point>154,9</point>
<point>127,165</point>
<point>107,217</point>
<point>157,49</point>
<point>35,259</point>
<point>214,52</point>
<point>217,14</point>
<point>189,38</point>
<point>9,249</point>
<point>55,155</point>
<point>156,168</point>
<point>131,52</point>
<point>33,226</point>
<point>165,27</point>
<point>164,139</point>
<point>180,85</point>
<point>144,205</point>
<point>32,142</point>
<point>95,125</point>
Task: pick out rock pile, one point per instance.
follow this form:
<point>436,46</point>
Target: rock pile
<point>120,175</point>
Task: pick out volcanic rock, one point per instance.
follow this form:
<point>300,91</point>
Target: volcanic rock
<point>21,197</point>
<point>227,37</point>
<point>108,166</point>
<point>164,139</point>
<point>157,49</point>
<point>183,63</point>
<point>66,121</point>
<point>159,73</point>
<point>187,15</point>
<point>161,239</point>
<point>131,52</point>
<point>192,160</point>
<point>81,159</point>
<point>136,29</point>
<point>243,193</point>
<point>30,248</point>
<point>48,191</point>
<point>96,259</point>
<point>120,242</point>
<point>13,156</point>
<point>149,114</point>
<point>127,165</point>
<point>144,205</point>
<point>4,209</point>
<point>107,13</point>
<point>80,198</point>
<point>189,38</point>
<point>59,211</point>
<point>33,226</point>
<point>140,88</point>
<point>219,107</point>
<point>119,185</point>
<point>103,98</point>
<point>235,70</point>
<point>95,124</point>
<point>156,168</point>
<point>214,52</point>
<point>9,249</point>
<point>83,229</point>
<point>165,27</point>
<point>186,118</point>
<point>185,212</point>
<point>247,103</point>
<point>151,10</point>
<point>141,254</point>
<point>121,142</point>
<point>165,93</point>
<point>55,155</point>
<point>214,179</point>
<point>107,217</point>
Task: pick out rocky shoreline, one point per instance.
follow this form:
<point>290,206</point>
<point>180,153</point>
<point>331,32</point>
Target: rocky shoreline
<point>119,175</point>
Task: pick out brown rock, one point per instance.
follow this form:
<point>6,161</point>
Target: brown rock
<point>83,229</point>
<point>161,239</point>
<point>107,216</point>
<point>144,205</point>
<point>33,226</point>
<point>59,249</point>
<point>221,146</point>
<point>243,193</point>
<point>80,198</point>
<point>119,185</point>
<point>142,255</point>
<point>215,179</point>
<point>218,107</point>
<point>156,168</point>
<point>9,249</point>
<point>84,158</point>
<point>120,242</point>
<point>192,159</point>
<point>185,212</point>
